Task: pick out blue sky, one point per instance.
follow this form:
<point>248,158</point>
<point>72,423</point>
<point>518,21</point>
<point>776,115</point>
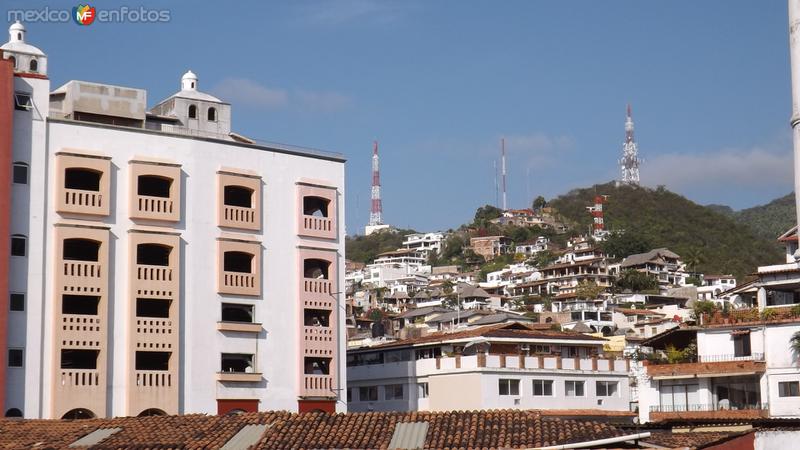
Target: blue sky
<point>439,82</point>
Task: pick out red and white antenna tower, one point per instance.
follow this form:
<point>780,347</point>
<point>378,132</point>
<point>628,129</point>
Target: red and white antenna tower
<point>377,207</point>
<point>503,164</point>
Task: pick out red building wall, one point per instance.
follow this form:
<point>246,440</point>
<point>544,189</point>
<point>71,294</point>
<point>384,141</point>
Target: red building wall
<point>328,406</point>
<point>6,121</point>
<point>246,405</point>
<point>745,442</point>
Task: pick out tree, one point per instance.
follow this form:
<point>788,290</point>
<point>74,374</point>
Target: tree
<point>485,214</point>
<point>543,259</point>
<point>588,290</point>
<point>539,203</point>
<point>693,258</point>
<point>694,281</point>
<point>795,341</point>
<point>636,281</point>
<point>621,245</point>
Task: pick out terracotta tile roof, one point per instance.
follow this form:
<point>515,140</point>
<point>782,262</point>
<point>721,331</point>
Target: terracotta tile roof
<point>502,330</point>
<point>740,317</point>
<point>632,311</point>
<point>703,368</point>
<point>372,430</point>
<point>694,439</point>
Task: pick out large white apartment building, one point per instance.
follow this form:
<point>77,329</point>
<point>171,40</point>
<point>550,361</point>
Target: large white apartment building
<point>509,365</point>
<point>161,263</point>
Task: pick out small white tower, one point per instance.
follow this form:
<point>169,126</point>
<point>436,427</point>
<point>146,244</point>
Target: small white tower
<point>27,58</point>
<point>201,113</point>
<point>189,81</point>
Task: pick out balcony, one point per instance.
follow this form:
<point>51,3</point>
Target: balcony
<point>155,191</point>
<point>317,293</point>
<point>318,341</point>
<point>318,227</point>
<point>318,386</point>
<point>158,208</point>
<point>80,378</point>
<point>81,328</point>
<point>239,199</point>
<point>239,283</point>
<point>708,365</point>
<point>242,327</point>
<point>153,379</point>
<point>239,377</point>
<point>83,183</point>
<point>83,202</point>
<point>155,280</point>
<point>238,267</point>
<point>239,217</point>
<point>317,210</point>
<point>709,411</point>
<point>84,277</point>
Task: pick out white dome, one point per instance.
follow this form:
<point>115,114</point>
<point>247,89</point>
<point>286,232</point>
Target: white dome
<point>189,81</point>
<point>16,32</point>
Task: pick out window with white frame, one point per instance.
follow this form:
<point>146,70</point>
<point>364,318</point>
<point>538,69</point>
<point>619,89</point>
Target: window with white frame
<point>574,388</point>
<point>393,392</point>
<point>368,394</point>
<point>607,388</point>
<point>422,390</point>
<point>22,101</point>
<point>508,386</point>
<point>542,388</point>
<point>789,389</point>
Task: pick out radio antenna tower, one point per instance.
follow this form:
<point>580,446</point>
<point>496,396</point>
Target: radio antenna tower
<point>503,156</point>
<point>375,214</point>
<point>629,163</point>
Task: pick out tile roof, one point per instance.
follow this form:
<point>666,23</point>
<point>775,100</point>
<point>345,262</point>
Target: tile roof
<point>632,311</point>
<point>653,256</point>
<point>694,439</point>
<point>424,311</point>
<point>512,429</point>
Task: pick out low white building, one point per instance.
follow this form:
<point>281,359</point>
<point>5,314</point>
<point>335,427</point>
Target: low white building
<point>425,243</point>
<point>501,366</point>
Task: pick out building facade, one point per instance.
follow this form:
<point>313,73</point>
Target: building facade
<point>161,263</point>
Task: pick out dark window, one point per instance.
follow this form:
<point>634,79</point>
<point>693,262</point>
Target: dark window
<point>83,179</point>
<point>153,186</point>
<point>238,196</point>
<point>238,262</point>
<point>80,304</point>
<point>237,362</point>
<point>150,412</point>
<point>574,388</point>
<point>368,394</point>
<point>542,387</point>
<point>152,360</point>
<point>317,366</point>
<point>18,244</point>
<point>212,114</point>
<point>20,173</point>
<point>79,359</point>
<point>17,302</point>
<point>232,312</point>
<point>77,414</point>
<point>349,395</point>
<point>315,206</point>
<point>422,390</point>
<point>316,268</point>
<point>606,388</point>
<point>34,65</point>
<point>15,357</point>
<point>508,386</point>
<point>192,112</point>
<point>741,345</point>
<point>316,317</point>
<point>22,102</point>
<point>789,389</point>
<point>14,412</point>
<point>76,249</point>
<point>151,307</point>
<point>393,391</point>
<point>153,254</point>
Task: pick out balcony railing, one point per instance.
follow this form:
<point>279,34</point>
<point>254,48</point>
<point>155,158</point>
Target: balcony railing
<point>158,208</point>
<point>82,269</point>
<point>240,283</point>
<point>706,407</point>
<point>82,199</point>
<point>80,377</point>
<point>314,226</point>
<point>757,357</point>
<point>233,216</point>
<point>153,378</point>
<point>153,273</point>
<point>82,277</point>
<point>318,386</point>
<point>317,286</point>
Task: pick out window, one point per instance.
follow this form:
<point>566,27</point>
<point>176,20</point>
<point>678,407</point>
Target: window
<point>76,249</point>
<point>789,389</point>
<point>238,196</point>
<point>393,392</point>
<point>33,65</point>
<point>85,305</point>
<point>18,244</point>
<point>542,387</point>
<point>317,366</point>
<point>153,186</point>
<point>349,395</point>
<point>212,114</point>
<point>153,254</point>
<point>315,206</point>
<point>232,312</point>
<point>508,386</point>
<point>368,394</point>
<point>79,359</point>
<point>606,388</point>
<point>631,319</point>
<point>741,345</point>
<point>541,349</point>
<point>152,307</point>
<point>152,360</point>
<point>82,179</point>
<point>422,390</point>
<point>22,101</point>
<point>238,262</point>
<point>17,302</point>
<point>15,357</point>
<point>653,330</point>
<point>20,173</point>
<point>237,362</point>
<point>316,268</point>
<point>574,388</point>
<point>192,112</point>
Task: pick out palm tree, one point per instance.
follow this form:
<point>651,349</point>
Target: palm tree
<point>693,258</point>
<point>795,342</point>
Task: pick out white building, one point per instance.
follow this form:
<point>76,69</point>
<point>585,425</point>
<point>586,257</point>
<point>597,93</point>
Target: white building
<point>424,242</point>
<point>162,263</point>
<point>493,367</point>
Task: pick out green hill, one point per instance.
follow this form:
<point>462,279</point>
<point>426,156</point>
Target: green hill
<point>364,248</point>
<point>660,218</point>
<point>771,220</point>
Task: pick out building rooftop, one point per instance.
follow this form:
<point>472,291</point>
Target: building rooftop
<point>651,256</point>
<point>512,429</point>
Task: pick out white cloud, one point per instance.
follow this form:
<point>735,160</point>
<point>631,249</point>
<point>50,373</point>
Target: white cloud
<point>755,168</point>
<point>241,91</point>
<point>537,149</point>
<point>246,92</point>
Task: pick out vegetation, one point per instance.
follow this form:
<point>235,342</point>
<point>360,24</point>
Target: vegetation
<point>795,341</point>
<point>771,220</point>
<point>365,248</point>
<point>701,307</point>
<point>588,290</point>
<point>694,281</point>
<point>635,281</point>
<point>485,214</point>
<point>661,218</point>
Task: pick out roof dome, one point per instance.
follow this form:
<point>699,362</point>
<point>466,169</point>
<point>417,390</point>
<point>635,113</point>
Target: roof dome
<point>15,28</point>
<point>16,41</point>
<point>189,81</point>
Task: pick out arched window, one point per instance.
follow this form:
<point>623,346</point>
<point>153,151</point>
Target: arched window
<point>238,262</point>
<point>152,412</point>
<point>76,249</point>
<point>212,114</point>
<point>192,112</point>
<point>33,65</point>
<point>153,254</point>
<point>153,186</point>
<point>238,196</point>
<point>315,206</point>
<point>315,268</point>
<point>14,412</point>
<point>82,179</point>
<point>20,173</point>
<point>19,36</point>
<point>78,413</point>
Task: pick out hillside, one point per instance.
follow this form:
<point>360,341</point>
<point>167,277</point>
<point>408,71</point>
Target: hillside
<point>660,218</point>
<point>771,220</point>
<point>365,248</point>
